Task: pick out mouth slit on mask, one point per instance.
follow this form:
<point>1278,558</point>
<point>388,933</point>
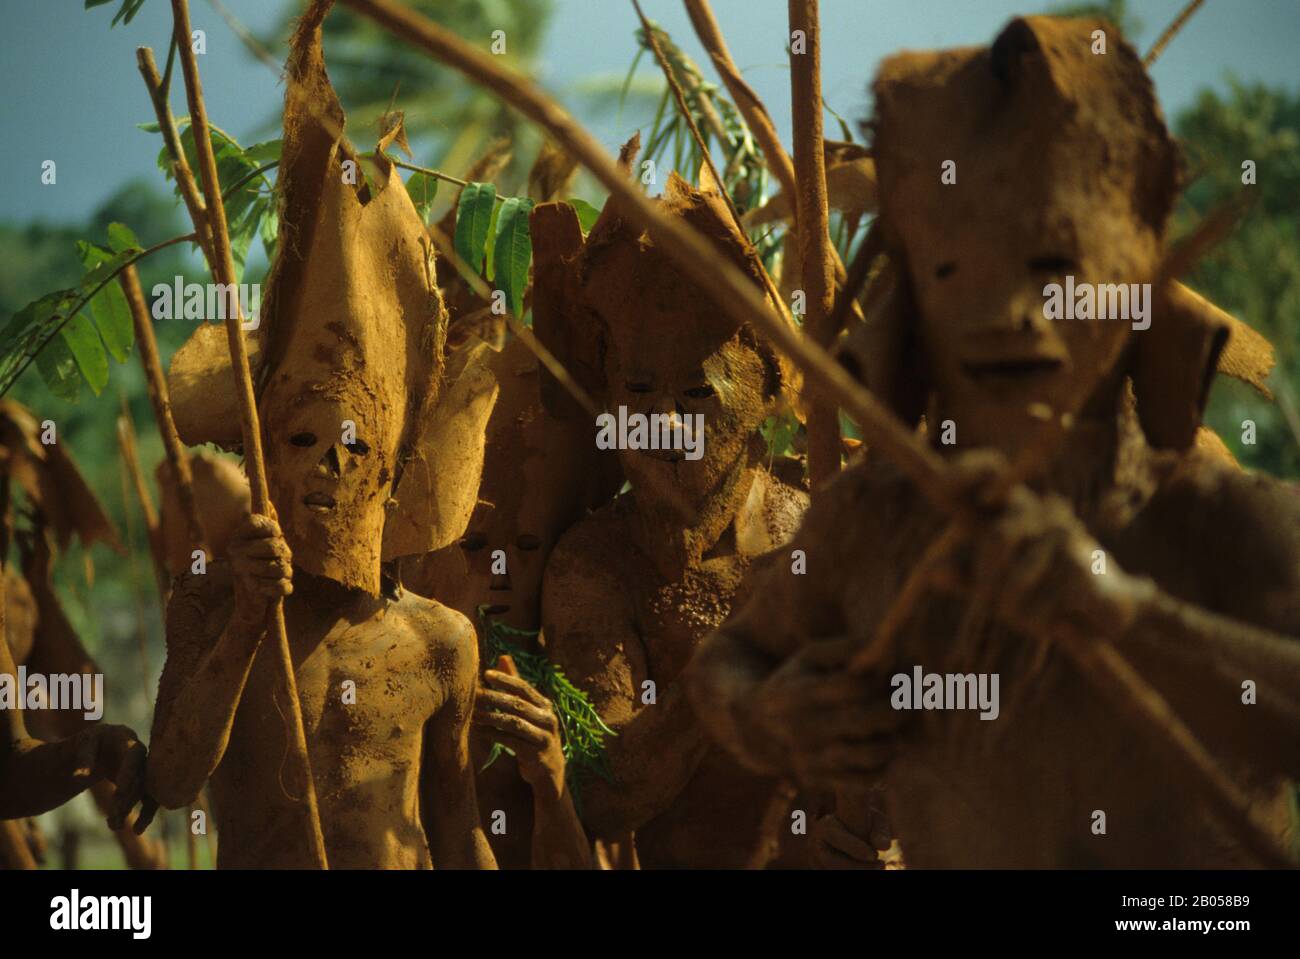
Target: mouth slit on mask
<point>666,432</point>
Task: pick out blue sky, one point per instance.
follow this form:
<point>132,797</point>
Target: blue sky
<point>72,93</point>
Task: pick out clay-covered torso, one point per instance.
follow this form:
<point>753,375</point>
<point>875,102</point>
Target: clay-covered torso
<point>365,755</point>
<point>726,816</point>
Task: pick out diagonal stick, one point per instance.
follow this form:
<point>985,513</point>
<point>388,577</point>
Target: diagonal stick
<point>224,273</point>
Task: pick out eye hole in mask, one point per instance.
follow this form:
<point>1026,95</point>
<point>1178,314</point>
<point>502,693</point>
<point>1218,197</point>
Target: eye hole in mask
<point>303,439</point>
<point>1052,263</point>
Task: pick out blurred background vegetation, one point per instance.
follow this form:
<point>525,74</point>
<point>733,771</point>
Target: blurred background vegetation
<point>1254,274</point>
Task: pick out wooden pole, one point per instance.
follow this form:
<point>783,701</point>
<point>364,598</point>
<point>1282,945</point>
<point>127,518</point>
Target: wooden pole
<point>178,460</point>
<point>224,273</point>
<point>133,476</point>
<point>171,139</point>
<point>812,225</point>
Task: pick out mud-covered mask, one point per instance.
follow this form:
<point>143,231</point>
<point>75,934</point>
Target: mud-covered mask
<point>368,457</point>
<point>1009,168</point>
<point>669,350</point>
<point>329,460</point>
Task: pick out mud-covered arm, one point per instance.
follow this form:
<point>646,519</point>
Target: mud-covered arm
<point>591,636</point>
<point>1226,652</point>
<point>449,806</point>
<point>559,839</point>
<point>201,685</point>
<point>37,776</point>
<point>1237,685</point>
<point>794,600</point>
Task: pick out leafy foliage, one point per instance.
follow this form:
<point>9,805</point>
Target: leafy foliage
<point>513,251</point>
<point>423,190</point>
<point>125,13</point>
<point>68,344</point>
<point>743,171</point>
<point>473,217</point>
<point>582,731</point>
<point>248,195</point>
<point>587,214</point>
<point>1255,272</point>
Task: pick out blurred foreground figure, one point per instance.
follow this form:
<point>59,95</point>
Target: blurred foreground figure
<point>1010,174</point>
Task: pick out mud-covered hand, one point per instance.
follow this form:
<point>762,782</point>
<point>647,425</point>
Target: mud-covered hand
<point>262,567</point>
<point>120,757</point>
<point>1033,565</point>
<point>835,846</point>
<point>522,718</point>
<point>824,726</point>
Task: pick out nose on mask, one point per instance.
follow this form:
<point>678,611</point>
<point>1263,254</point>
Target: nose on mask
<point>329,463</point>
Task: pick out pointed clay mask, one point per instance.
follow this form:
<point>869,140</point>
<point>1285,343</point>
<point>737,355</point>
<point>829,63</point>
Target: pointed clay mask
<point>1062,167</point>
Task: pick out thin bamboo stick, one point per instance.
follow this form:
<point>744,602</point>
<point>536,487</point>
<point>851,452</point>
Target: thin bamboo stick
<point>172,141</point>
<point>812,225</point>
<point>224,272</point>
<point>178,460</point>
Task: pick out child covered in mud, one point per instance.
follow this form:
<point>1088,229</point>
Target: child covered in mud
<point>630,590</point>
<point>349,397</point>
<point>1191,568</point>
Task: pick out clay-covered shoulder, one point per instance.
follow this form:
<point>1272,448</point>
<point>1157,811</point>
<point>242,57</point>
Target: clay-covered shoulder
<point>438,625</point>
<point>784,507</point>
<point>861,507</point>
<point>1240,530</point>
<point>201,603</point>
<point>448,636</point>
<point>590,550</point>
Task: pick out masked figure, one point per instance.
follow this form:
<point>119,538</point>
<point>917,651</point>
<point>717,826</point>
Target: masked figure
<point>630,590</point>
<point>1008,175</point>
<point>369,458</point>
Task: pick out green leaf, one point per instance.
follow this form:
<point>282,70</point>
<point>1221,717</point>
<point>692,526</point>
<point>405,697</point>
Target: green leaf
<point>587,214</point>
<point>489,266</point>
<point>513,250</point>
<point>88,350</point>
<point>59,370</point>
<point>473,214</point>
<point>779,433</point>
<point>582,731</point>
<point>104,269</point>
<point>268,151</point>
<point>108,307</point>
<point>120,237</point>
<point>127,11</point>
<point>270,231</point>
<point>423,190</point>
